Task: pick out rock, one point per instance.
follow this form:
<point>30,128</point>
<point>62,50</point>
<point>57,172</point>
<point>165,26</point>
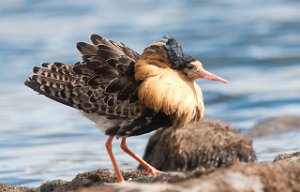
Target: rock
<point>275,124</point>
<point>207,144</point>
<point>10,188</point>
<point>295,157</point>
<point>51,185</point>
<point>274,177</point>
<point>97,177</point>
<point>106,178</point>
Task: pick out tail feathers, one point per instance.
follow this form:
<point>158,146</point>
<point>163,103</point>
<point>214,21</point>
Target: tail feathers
<point>86,49</point>
<point>99,40</point>
<point>119,48</point>
<point>60,68</point>
<point>52,74</point>
<point>50,92</point>
<point>62,92</point>
<point>101,74</point>
<point>50,82</point>
<point>54,80</point>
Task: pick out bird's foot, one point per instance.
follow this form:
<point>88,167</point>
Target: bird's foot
<point>120,180</point>
<point>152,171</point>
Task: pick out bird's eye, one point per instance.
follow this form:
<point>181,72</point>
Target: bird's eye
<point>190,66</point>
<point>155,47</point>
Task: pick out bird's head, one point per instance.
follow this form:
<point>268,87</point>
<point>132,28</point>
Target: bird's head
<point>168,53</point>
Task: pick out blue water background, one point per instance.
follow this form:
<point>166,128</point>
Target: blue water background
<point>255,44</point>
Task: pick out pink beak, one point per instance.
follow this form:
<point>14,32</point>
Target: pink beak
<point>208,75</point>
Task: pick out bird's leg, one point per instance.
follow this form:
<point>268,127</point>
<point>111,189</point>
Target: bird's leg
<point>112,158</point>
<point>148,167</point>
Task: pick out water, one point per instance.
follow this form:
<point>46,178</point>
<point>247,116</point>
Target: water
<point>252,43</point>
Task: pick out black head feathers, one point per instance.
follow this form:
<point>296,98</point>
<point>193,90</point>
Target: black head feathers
<point>175,53</point>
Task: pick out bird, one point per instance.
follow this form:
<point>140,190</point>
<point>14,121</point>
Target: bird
<point>126,93</point>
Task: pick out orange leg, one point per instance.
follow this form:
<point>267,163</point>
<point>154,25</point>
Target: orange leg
<point>149,168</point>
<point>112,158</point>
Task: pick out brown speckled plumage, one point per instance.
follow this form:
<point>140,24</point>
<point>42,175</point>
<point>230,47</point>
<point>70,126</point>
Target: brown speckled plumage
<point>125,93</point>
<point>101,84</point>
<point>129,91</point>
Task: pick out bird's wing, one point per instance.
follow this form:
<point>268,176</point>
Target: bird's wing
<point>102,83</point>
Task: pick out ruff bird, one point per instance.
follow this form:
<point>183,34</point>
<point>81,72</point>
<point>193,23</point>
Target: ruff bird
<point>125,93</point>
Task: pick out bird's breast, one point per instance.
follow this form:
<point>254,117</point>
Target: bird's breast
<point>169,93</point>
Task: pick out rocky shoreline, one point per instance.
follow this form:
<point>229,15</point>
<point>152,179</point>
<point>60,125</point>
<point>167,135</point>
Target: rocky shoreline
<point>209,156</point>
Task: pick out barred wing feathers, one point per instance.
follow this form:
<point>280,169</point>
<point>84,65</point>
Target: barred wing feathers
<point>101,84</point>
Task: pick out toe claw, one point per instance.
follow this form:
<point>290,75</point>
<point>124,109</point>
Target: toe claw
<point>153,172</point>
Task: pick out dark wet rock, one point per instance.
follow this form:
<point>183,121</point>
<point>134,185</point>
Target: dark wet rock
<point>295,157</point>
<point>275,124</point>
<point>207,144</point>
